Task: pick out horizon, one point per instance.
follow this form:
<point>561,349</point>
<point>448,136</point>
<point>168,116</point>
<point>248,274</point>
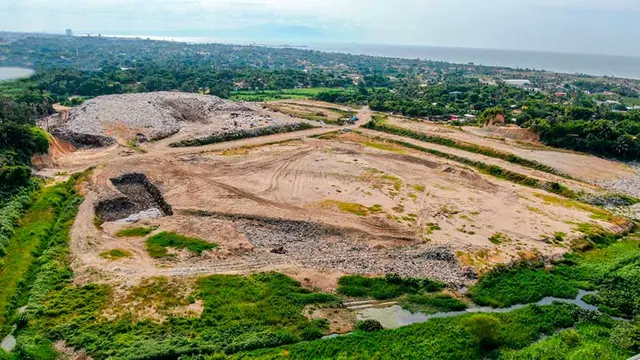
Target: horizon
<point>576,27</point>
<point>302,45</point>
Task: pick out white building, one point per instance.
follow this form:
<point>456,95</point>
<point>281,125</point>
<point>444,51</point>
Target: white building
<point>518,82</point>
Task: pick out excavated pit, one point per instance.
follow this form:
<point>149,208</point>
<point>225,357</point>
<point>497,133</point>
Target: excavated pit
<point>139,195</point>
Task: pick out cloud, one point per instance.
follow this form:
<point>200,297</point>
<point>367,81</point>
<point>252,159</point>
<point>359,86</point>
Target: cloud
<point>557,25</point>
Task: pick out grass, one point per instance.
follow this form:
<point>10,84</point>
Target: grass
<point>136,232</point>
<point>116,254</point>
<point>630,101</point>
<point>243,134</point>
<point>23,248</point>
<point>157,245</point>
<point>389,287</point>
<point>271,95</point>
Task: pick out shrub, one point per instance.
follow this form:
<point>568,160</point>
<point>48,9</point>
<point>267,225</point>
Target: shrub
<point>369,325</point>
<point>485,329</point>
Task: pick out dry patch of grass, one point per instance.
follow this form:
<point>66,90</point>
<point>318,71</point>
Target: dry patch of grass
<point>383,146</point>
<point>499,238</point>
<point>596,212</point>
<point>382,181</point>
<point>236,152</point>
<point>136,232</point>
<point>351,208</point>
<point>156,298</point>
<point>116,254</point>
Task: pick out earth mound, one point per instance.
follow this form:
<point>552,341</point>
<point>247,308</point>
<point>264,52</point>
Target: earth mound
<point>152,116</point>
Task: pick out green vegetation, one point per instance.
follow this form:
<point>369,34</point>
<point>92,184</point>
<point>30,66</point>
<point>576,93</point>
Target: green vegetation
<point>587,341</point>
<point>157,245</point>
<point>136,232</point>
<point>29,241</point>
<point>521,283</point>
<point>614,271</point>
<point>368,326</point>
<point>432,303</point>
<point>243,134</point>
<point>115,254</point>
<point>389,287</point>
<point>499,238</point>
<point>271,95</point>
<point>473,336</point>
<point>380,125</point>
<point>10,213</point>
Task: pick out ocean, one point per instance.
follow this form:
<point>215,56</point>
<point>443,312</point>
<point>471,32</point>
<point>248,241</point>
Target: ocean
<point>590,64</point>
<point>600,65</point>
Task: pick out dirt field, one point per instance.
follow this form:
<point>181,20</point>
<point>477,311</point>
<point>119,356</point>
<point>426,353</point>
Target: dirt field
<point>581,166</point>
<point>314,204</point>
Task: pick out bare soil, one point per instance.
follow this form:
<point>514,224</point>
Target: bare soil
<point>581,166</point>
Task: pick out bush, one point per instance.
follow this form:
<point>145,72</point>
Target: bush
<point>369,326</point>
<point>485,329</point>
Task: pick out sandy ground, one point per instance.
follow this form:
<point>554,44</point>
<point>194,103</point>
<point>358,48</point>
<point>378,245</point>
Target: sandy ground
<point>581,166</point>
<point>414,205</point>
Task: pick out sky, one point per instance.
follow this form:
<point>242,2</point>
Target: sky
<point>583,26</point>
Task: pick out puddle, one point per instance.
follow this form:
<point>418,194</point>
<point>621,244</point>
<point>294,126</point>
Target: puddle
<point>395,316</point>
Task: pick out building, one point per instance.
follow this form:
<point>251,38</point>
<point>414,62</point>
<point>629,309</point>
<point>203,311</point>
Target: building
<point>518,82</point>
<point>69,32</point>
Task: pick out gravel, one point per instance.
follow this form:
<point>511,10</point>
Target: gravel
<point>154,116</point>
<point>315,245</point>
<point>629,185</point>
